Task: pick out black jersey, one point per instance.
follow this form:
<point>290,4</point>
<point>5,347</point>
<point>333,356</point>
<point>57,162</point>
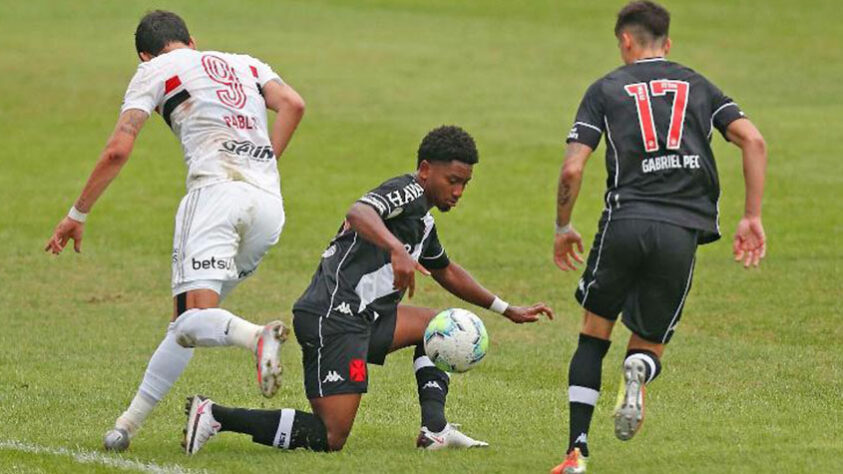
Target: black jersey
<point>355,276</point>
<point>658,117</point>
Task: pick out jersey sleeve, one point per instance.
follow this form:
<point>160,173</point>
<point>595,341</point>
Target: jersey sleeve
<point>433,255</point>
<point>724,110</point>
<point>588,125</point>
<point>379,199</point>
<point>145,91</point>
<point>263,72</point>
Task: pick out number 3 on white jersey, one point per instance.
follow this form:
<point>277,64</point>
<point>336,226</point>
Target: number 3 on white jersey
<point>645,111</point>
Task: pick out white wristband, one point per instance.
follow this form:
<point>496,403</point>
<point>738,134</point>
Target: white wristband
<point>499,306</point>
<point>561,229</point>
<point>77,215</point>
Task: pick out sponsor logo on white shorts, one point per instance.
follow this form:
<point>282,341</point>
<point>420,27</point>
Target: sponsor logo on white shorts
<point>212,263</point>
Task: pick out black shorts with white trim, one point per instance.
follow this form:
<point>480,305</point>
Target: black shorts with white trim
<point>336,348</point>
<point>643,269</point>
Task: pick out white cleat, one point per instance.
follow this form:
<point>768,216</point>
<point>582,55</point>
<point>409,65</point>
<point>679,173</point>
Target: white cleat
<point>268,353</point>
<point>629,412</point>
<point>449,438</point>
<point>116,439</point>
<point>201,425</point>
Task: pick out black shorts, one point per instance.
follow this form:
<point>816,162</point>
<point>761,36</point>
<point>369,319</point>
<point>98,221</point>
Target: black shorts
<point>336,348</point>
<point>643,269</point>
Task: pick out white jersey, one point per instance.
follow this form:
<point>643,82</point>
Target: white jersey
<point>214,104</point>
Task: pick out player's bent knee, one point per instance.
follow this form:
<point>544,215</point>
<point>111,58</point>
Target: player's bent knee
<point>336,440</point>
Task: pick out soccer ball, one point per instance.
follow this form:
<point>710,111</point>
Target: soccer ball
<point>456,340</point>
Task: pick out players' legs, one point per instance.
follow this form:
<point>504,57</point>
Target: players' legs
<point>585,377</point>
<point>432,382</point>
<point>197,322</point>
<point>282,429</point>
<point>337,412</point>
<point>652,312</point>
<point>326,429</point>
<point>217,228</point>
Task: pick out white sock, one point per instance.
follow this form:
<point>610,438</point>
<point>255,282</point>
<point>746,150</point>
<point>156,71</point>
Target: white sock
<point>214,327</point>
<point>165,366</point>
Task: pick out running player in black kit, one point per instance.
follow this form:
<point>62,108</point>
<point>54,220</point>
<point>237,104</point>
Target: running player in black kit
<point>350,314</point>
<point>661,202</point>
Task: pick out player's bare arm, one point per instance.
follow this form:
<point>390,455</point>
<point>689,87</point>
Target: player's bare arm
<point>570,179</point>
<point>461,284</point>
<point>111,161</point>
<point>366,222</point>
<point>750,244</point>
<point>289,107</point>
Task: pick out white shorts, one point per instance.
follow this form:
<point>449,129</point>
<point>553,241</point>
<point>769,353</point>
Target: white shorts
<point>222,233</point>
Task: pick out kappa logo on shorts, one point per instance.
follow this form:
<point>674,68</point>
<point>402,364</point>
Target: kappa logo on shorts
<point>332,377</point>
<point>343,308</point>
<point>357,370</point>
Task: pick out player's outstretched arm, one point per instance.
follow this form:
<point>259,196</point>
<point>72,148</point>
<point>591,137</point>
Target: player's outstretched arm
<point>750,244</point>
<point>461,284</point>
<point>289,107</point>
<point>570,179</point>
<point>111,160</point>
<point>368,224</point>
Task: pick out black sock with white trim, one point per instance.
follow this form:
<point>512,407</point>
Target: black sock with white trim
<point>651,362</point>
<point>283,429</point>
<point>584,379</point>
<point>433,389</point>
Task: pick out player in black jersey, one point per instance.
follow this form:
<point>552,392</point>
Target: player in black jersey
<point>351,315</point>
<point>661,202</point>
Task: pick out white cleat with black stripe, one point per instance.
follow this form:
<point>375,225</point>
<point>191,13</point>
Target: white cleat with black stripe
<point>201,425</point>
<point>449,438</point>
<point>629,412</point>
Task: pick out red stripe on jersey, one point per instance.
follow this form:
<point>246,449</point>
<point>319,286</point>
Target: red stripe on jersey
<point>254,70</point>
<point>171,83</point>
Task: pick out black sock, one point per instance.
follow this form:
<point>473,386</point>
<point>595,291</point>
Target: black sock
<point>286,429</point>
<point>651,362</point>
<point>433,389</point>
<point>584,376</point>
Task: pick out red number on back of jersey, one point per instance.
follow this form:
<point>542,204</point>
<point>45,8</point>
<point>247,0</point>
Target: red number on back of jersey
<point>660,87</point>
<point>219,71</point>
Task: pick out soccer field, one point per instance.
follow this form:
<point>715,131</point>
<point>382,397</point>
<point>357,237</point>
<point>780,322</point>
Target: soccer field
<point>752,382</point>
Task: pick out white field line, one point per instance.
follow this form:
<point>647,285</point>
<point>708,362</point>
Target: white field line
<point>84,456</point>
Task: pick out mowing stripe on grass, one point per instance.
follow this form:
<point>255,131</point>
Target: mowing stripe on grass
<point>84,456</point>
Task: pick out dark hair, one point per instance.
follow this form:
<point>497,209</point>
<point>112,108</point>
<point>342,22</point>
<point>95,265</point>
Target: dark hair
<point>647,21</point>
<point>157,29</point>
<point>447,143</point>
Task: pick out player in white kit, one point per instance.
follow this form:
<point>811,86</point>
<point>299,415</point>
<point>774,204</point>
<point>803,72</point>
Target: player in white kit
<point>233,212</point>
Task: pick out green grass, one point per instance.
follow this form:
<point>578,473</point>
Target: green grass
<point>752,382</point>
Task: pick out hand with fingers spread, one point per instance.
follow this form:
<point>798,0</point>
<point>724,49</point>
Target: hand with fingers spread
<point>563,249</point>
<point>750,244</point>
<point>404,269</point>
<point>66,229</point>
<point>528,314</point>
